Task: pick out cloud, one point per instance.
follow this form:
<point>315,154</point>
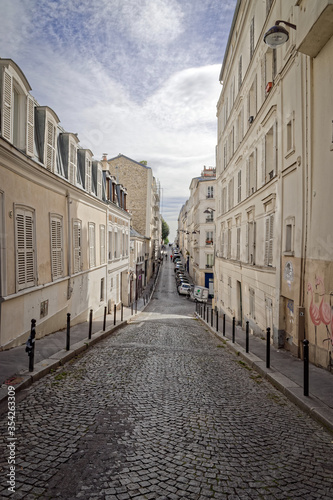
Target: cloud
<point>138,78</point>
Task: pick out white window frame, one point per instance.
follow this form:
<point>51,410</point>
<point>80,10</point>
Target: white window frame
<point>77,245</point>
<point>102,243</point>
<point>269,240</point>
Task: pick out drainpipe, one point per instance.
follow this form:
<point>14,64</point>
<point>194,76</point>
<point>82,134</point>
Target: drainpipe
<point>69,247</point>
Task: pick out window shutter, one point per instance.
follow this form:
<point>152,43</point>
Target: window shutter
<point>30,126</point>
<point>275,148</point>
<point>92,245</point>
<point>56,248</point>
<point>25,262</point>
<point>6,115</point>
<point>271,236</point>
<point>102,244</point>
<point>255,169</point>
<point>88,176</point>
<point>263,161</point>
<point>77,245</point>
<point>99,183</point>
<point>72,164</point>
<point>247,242</point>
<point>248,191</point>
<point>267,234</point>
<point>50,146</point>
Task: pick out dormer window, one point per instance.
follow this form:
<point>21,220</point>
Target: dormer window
<point>17,108</point>
<point>46,133</point>
<point>69,152</point>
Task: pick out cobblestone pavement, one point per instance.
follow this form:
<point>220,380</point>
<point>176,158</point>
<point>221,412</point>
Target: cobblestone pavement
<point>163,410</point>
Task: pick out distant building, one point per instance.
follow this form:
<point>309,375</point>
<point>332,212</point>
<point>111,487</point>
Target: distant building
<point>196,229</point>
<point>274,252</point>
<point>55,215</point>
<point>143,202</point>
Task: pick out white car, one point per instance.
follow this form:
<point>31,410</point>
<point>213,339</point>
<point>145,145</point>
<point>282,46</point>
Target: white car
<point>184,289</point>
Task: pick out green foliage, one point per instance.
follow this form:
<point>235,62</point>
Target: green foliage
<point>165,231</point>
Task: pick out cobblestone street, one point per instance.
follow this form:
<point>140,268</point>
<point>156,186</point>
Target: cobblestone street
<point>161,409</point>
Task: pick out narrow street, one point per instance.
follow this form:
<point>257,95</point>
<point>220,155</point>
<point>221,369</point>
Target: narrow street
<point>162,410</point>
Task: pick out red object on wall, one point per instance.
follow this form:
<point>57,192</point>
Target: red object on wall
<point>269,87</point>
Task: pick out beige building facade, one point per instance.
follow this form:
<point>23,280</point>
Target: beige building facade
<point>273,264</point>
<point>54,218</point>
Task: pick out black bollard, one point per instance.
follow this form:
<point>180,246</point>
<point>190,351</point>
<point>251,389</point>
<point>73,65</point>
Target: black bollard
<point>268,348</point>
<point>306,367</point>
<point>122,312</point>
<point>211,317</point>
<point>233,329</point>
<point>115,314</point>
<point>223,325</point>
<point>104,321</point>
<point>247,337</point>
<point>90,323</point>
<point>217,320</point>
<point>131,308</point>
<point>30,345</point>
<point>68,334</point>
<point>136,307</point>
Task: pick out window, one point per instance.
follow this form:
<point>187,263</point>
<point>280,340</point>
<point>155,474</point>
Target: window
<point>229,242</point>
<point>290,147</point>
<point>269,234</point>
<point>252,303</point>
<point>252,173</point>
<point>252,102</point>
<point>88,175</point>
<point>110,245</point>
<point>231,194</point>
<point>251,242</point>
<point>238,243</point>
<point>50,150</point>
<point>102,243</point>
<point>240,73</point>
<point>252,38</point>
<point>99,182</point>
<point>270,155</point>
<point>72,163</point>
<point>101,297</point>
<point>116,245</point>
<point>209,238</point>
<point>77,227</point>
<point>209,260</point>
<point>239,187</point>
<point>25,247</point>
<point>56,227</point>
<point>210,192</point>
<point>92,254</point>
<point>224,200</point>
<point>289,235</point>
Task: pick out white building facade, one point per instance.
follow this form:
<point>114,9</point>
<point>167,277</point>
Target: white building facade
<point>273,264</point>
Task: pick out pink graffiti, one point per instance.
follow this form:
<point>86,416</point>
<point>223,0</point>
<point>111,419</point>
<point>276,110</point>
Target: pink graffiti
<point>323,313</point>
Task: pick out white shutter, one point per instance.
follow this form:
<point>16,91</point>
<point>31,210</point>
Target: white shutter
<point>248,190</point>
<point>102,244</point>
<point>25,260</point>
<point>92,245</point>
<point>275,148</point>
<point>72,164</point>
<point>77,245</point>
<point>263,161</point>
<point>30,126</point>
<point>255,169</point>
<point>267,233</point>
<point>271,237</point>
<point>6,108</point>
<point>88,175</point>
<point>56,248</point>
<point>99,183</point>
<point>50,146</point>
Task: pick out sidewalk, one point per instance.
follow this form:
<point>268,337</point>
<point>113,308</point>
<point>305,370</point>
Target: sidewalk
<point>50,351</point>
<point>285,372</point>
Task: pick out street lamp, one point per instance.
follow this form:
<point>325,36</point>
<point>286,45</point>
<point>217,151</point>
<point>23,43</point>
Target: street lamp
<point>277,35</point>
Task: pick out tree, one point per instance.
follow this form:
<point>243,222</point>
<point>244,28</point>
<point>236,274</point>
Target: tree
<point>165,230</point>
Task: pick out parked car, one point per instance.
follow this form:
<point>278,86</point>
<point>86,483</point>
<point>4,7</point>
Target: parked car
<point>184,289</point>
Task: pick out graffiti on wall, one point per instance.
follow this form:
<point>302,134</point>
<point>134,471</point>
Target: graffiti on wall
<point>323,313</point>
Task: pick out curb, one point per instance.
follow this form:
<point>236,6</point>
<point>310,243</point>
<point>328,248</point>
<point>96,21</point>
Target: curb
<point>308,404</point>
<point>59,359</point>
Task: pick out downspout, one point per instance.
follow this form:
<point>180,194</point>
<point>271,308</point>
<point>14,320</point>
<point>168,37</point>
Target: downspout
<point>69,247</point>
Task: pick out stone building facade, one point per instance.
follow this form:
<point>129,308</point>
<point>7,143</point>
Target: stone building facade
<point>143,202</point>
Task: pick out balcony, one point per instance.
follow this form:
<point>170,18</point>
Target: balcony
<point>209,242</point>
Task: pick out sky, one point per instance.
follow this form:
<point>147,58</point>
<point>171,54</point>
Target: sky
<point>132,77</point>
